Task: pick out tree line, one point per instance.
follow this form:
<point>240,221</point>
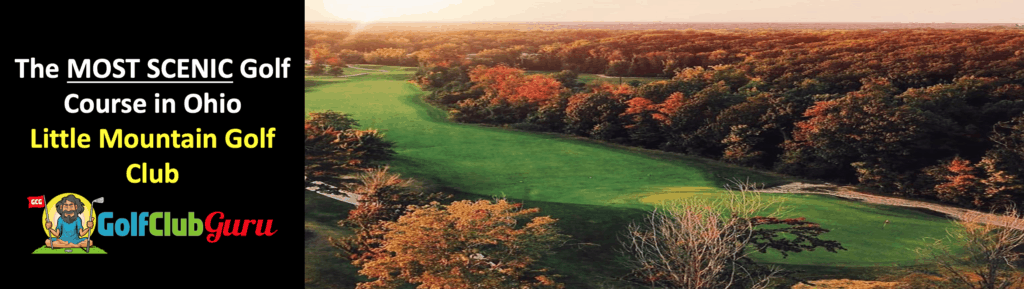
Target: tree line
<point>916,56</point>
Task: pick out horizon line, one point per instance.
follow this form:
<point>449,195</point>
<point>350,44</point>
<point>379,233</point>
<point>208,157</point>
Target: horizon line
<point>652,22</point>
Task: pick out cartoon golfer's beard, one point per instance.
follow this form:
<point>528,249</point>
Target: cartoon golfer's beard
<point>69,219</point>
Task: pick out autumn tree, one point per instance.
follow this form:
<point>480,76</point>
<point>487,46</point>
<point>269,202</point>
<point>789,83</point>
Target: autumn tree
<point>331,119</point>
<point>318,57</point>
<point>445,55</point>
<point>333,148</point>
<point>1004,163</point>
<point>994,181</point>
<point>316,69</point>
<point>569,80</point>
<point>508,57</point>
<point>319,54</point>
<point>617,68</point>
<point>689,118</point>
<point>382,197</point>
<point>466,244</point>
<point>326,155</point>
<point>746,130</point>
<point>867,133</point>
<point>958,115</point>
<point>351,56</point>
<point>509,96</point>
<point>388,56</point>
<point>642,120</point>
<point>337,66</point>
<point>596,114</point>
<point>959,182</point>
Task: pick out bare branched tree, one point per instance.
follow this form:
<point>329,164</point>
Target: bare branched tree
<point>696,243</point>
<point>981,255</point>
<point>700,243</point>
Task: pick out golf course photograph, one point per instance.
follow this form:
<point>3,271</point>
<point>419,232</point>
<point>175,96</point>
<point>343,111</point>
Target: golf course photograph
<point>451,144</point>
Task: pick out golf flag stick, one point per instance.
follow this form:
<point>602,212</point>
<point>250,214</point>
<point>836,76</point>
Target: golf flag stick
<point>46,211</point>
<point>88,242</point>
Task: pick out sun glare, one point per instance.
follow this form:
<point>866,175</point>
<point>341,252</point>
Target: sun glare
<point>368,11</point>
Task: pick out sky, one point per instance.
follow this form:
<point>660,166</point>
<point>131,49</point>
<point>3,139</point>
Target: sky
<point>921,11</point>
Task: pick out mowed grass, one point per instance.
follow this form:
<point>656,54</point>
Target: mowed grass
<point>594,189</point>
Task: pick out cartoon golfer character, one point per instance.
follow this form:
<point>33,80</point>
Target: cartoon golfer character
<point>68,227</point>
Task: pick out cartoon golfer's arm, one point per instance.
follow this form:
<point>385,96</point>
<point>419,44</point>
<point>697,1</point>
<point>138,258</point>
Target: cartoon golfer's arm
<point>52,231</point>
<point>82,231</point>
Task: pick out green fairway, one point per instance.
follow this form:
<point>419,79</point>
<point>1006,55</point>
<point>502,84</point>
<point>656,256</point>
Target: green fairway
<point>48,250</point>
<point>594,189</point>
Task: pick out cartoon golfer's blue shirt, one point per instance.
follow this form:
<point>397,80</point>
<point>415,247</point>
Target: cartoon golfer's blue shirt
<point>69,231</point>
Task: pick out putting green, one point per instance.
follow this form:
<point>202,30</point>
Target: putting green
<point>675,193</point>
<point>47,250</point>
<point>596,189</point>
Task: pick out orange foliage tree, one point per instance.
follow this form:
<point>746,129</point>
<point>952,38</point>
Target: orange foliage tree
<point>508,95</point>
<point>466,244</point>
<point>383,197</point>
<point>868,131</point>
<point>333,148</point>
<point>958,182</point>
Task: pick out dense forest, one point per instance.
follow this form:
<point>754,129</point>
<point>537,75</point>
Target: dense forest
<point>934,114</point>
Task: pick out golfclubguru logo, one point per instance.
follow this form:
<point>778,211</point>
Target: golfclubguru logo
<point>68,222</point>
<point>162,224</point>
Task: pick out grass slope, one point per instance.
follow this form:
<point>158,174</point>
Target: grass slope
<point>593,189</point>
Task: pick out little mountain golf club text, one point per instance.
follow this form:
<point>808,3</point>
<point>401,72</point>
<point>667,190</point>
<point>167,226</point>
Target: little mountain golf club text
<point>143,173</point>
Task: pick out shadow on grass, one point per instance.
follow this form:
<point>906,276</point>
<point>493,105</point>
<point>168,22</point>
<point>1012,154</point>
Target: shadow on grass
<point>310,83</point>
<point>396,76</point>
<point>323,267</point>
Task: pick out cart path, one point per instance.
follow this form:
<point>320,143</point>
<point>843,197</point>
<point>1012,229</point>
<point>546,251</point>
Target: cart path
<point>848,192</point>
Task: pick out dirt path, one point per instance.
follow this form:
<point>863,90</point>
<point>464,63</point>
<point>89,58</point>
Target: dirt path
<point>849,193</point>
<point>360,68</point>
<point>351,75</point>
<point>358,74</point>
<point>333,192</point>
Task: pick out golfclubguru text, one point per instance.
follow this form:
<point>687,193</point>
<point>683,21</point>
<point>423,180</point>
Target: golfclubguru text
<point>162,224</point>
